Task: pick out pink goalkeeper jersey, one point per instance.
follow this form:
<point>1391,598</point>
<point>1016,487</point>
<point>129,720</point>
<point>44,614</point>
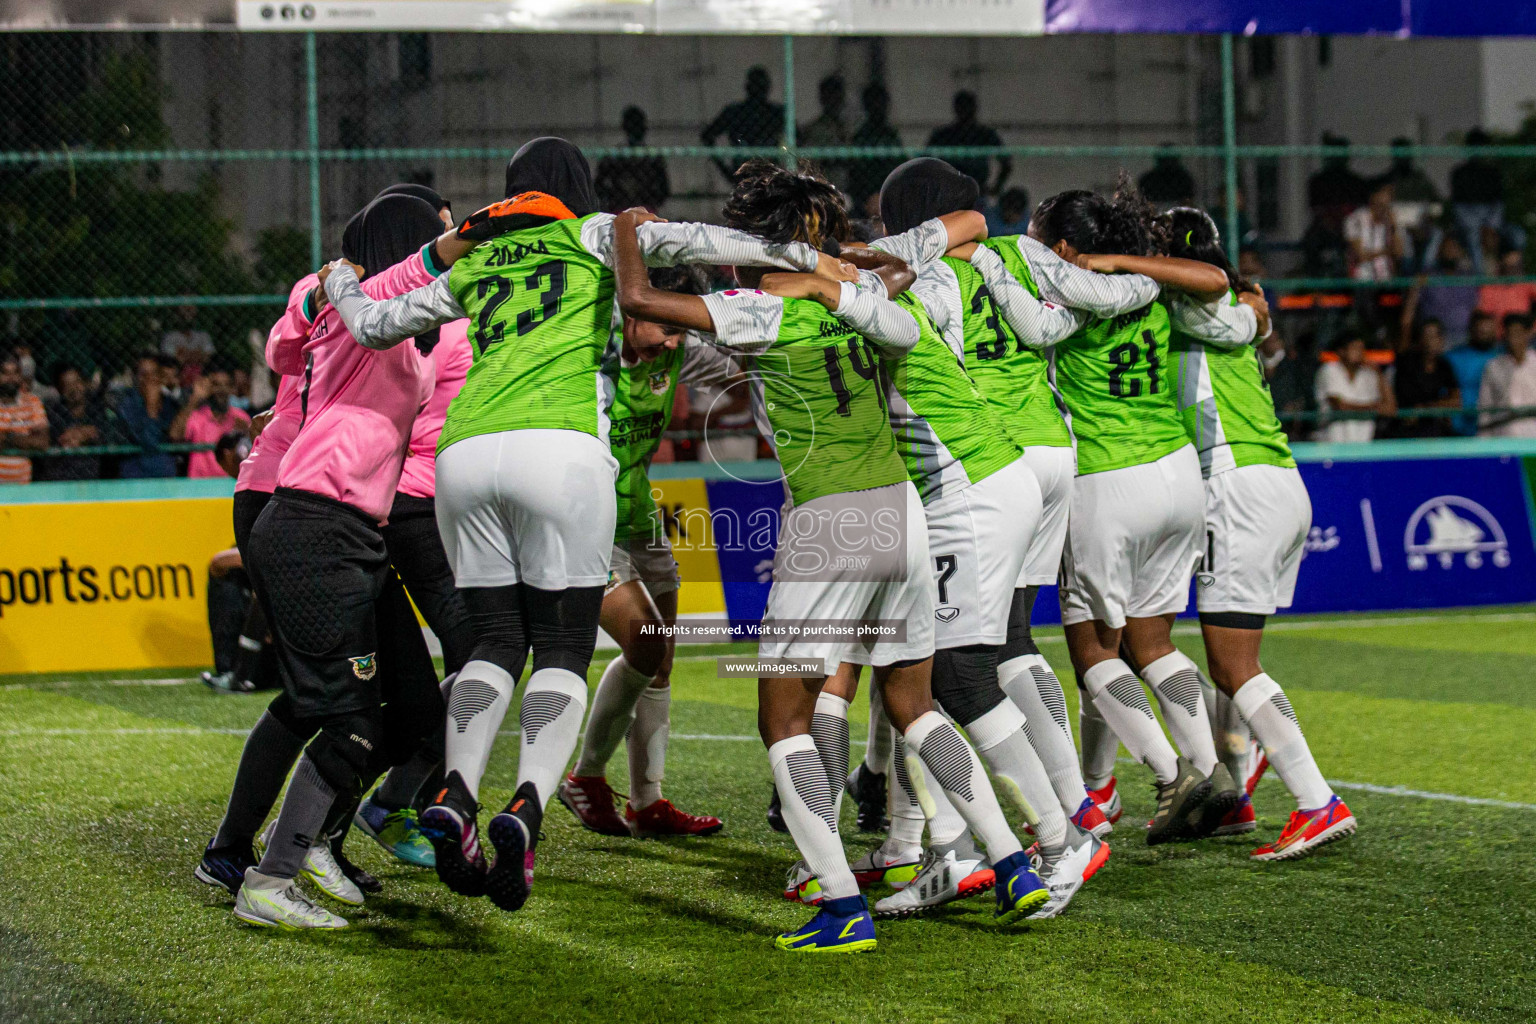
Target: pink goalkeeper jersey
<point>451,357</point>
<point>259,470</point>
<point>357,405</point>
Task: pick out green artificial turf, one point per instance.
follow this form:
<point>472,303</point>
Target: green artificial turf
<point>109,789</point>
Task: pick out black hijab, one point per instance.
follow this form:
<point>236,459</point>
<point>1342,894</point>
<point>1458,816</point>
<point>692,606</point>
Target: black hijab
<point>556,167</point>
<point>422,192</point>
<point>922,189</point>
<point>388,230</point>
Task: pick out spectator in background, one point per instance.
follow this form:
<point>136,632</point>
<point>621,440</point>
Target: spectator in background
<point>965,130</point>
<point>1477,199</point>
<point>1009,214</point>
<point>146,413</point>
<point>866,176</point>
<point>76,419</point>
<point>1500,300</point>
<point>1349,385</point>
<point>626,181</point>
<point>1468,362</point>
<point>752,121</point>
<point>240,386</point>
<point>23,422</point>
<point>190,347</point>
<point>208,416</point>
<point>1450,304</point>
<point>1509,381</point>
<point>828,129</point>
<point>1409,181</point>
<point>1168,183</point>
<point>1290,385</point>
<point>1424,380</point>
<point>1335,189</point>
<point>171,376</point>
<point>1375,241</point>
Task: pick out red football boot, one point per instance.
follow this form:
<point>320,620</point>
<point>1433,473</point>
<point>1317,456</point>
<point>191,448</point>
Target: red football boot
<point>594,803</point>
<point>1307,830</point>
<point>663,819</point>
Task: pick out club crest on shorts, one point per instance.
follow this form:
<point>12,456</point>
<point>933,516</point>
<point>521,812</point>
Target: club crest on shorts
<point>365,667</point>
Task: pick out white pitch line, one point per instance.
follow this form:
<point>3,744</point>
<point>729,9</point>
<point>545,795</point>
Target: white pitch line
<point>1364,787</point>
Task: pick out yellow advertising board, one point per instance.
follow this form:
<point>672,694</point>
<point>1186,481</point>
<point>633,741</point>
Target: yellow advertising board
<point>95,585</point>
<point>106,584</point>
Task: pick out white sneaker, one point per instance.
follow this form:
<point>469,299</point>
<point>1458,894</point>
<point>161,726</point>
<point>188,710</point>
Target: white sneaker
<point>319,867</point>
<point>802,885</point>
<point>940,880</point>
<point>1067,875</point>
<point>277,903</point>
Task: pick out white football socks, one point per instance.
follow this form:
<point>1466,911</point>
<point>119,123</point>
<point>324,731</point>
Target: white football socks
<point>1100,744</point>
<point>877,752</point>
<point>1029,683</point>
<point>1000,740</point>
<point>959,774</point>
<point>1227,726</point>
<point>550,718</point>
<point>613,708</point>
<point>480,697</point>
<point>829,728</point>
<point>1176,681</point>
<point>647,743</point>
<point>1118,695</point>
<point>906,809</point>
<point>808,811</point>
<point>1267,710</point>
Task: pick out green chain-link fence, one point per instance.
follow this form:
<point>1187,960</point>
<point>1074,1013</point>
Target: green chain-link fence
<point>160,193</point>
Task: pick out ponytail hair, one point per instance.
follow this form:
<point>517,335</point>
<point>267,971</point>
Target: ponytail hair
<point>1122,225</point>
<point>1190,233</point>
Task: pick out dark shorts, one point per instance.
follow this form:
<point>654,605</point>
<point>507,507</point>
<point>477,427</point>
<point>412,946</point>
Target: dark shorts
<point>416,551</point>
<point>248,506</point>
<point>319,567</point>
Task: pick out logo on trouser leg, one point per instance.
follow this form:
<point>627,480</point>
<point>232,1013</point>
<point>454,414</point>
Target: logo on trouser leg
<point>365,667</point>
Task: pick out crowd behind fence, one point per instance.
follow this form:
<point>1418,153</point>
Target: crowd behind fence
<point>139,275</point>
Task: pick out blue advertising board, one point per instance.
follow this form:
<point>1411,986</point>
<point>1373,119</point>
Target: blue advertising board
<point>1426,526</point>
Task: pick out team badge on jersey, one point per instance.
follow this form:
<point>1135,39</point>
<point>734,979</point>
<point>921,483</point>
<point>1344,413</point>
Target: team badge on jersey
<point>658,380</point>
<point>365,667</point>
<point>946,613</point>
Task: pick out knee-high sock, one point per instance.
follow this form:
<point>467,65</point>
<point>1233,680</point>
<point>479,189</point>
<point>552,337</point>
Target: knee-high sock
<point>550,718</point>
<point>1033,687</point>
<point>959,774</point>
<point>613,709</point>
<point>1001,742</point>
<point>907,817</point>
<point>405,780</point>
<point>1176,681</point>
<point>480,697</point>
<point>269,753</point>
<point>877,752</point>
<point>1100,744</point>
<point>807,804</point>
<point>1118,695</point>
<point>647,742</point>
<point>829,728</point>
<point>946,825</point>
<point>299,823</point>
<point>1267,710</point>
<point>1231,732</point>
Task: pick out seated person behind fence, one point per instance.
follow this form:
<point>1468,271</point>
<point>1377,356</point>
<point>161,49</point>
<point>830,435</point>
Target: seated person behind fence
<point>1009,214</point>
<point>208,416</point>
<point>146,413</point>
<point>1350,385</point>
<point>1376,243</point>
<point>1509,382</point>
<point>1425,380</point>
<point>1451,304</point>
<point>1500,300</point>
<point>1468,362</point>
<point>78,418</point>
<point>23,423</point>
